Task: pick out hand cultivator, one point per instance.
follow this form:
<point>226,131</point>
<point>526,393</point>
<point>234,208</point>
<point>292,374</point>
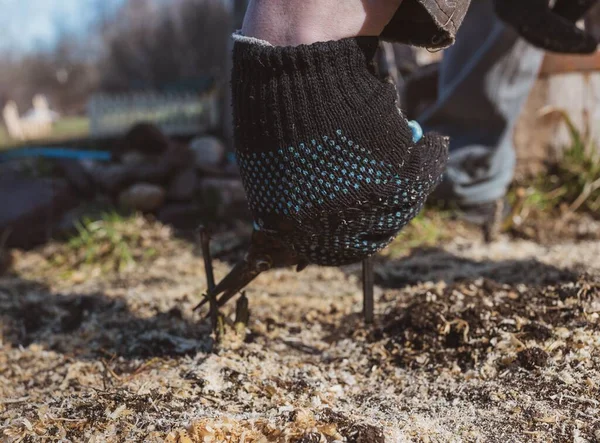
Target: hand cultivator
<point>260,258</point>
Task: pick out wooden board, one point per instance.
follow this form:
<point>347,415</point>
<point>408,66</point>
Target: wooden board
<point>560,64</point>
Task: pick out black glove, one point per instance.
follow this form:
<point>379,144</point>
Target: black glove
<point>551,29</point>
<point>330,167</point>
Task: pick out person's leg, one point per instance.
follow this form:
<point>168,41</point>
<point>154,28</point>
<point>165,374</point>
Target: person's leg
<point>293,22</point>
<point>485,79</point>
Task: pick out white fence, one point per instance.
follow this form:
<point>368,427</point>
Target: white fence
<point>173,113</point>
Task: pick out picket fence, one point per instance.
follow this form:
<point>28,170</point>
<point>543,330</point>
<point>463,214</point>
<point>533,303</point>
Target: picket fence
<point>174,113</point>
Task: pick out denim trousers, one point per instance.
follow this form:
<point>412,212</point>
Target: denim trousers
<point>485,79</point>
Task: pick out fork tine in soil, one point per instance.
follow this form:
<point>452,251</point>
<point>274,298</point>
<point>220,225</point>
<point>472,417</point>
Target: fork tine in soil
<point>242,314</point>
<point>368,300</point>
<point>210,276</point>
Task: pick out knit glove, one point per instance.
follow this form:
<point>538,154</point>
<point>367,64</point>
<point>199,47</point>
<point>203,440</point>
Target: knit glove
<point>330,166</point>
<point>552,29</point>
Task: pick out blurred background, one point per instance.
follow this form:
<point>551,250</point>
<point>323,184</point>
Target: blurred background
<point>113,104</point>
<point>74,54</point>
<point>121,107</point>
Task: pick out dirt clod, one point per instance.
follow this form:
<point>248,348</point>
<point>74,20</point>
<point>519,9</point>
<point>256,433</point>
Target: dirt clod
<point>532,358</point>
<point>537,331</point>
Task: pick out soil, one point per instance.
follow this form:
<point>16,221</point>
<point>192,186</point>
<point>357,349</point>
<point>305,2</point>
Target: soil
<point>472,342</point>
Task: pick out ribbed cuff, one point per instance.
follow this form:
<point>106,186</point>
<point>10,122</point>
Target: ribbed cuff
<point>288,93</point>
<point>356,52</point>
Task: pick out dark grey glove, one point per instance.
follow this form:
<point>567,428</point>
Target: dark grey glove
<point>331,168</point>
<point>552,29</point>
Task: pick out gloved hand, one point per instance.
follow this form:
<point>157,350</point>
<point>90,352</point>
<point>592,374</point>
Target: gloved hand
<point>552,29</point>
<point>332,170</point>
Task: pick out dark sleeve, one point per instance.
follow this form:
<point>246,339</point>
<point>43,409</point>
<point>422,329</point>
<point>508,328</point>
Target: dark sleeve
<point>428,23</point>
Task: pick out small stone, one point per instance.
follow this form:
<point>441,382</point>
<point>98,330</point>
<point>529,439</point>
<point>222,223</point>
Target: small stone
<point>115,177</point>
<point>143,197</point>
<point>183,185</point>
<point>178,157</point>
<point>109,177</point>
<point>30,207</point>
<point>77,176</point>
<point>208,151</point>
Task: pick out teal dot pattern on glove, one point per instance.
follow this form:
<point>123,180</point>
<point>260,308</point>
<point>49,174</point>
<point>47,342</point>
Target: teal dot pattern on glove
<point>330,166</point>
<point>296,181</point>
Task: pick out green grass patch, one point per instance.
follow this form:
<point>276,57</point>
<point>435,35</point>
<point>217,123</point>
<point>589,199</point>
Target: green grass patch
<point>430,228</point>
<point>65,129</point>
<point>70,127</point>
<point>110,243</point>
<point>569,185</point>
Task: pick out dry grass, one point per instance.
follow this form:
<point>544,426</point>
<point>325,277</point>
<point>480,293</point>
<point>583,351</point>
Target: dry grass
<point>562,198</point>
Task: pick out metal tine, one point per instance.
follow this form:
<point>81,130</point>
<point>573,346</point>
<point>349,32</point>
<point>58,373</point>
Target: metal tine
<point>210,276</point>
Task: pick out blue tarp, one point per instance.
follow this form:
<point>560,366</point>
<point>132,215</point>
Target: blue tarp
<point>77,154</point>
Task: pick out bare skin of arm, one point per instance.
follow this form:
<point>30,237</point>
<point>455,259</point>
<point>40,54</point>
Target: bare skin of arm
<point>295,22</point>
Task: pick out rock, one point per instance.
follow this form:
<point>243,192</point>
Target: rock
<point>77,175</point>
<point>134,158</point>
<point>145,197</point>
<point>159,170</point>
<point>11,170</point>
<point>208,151</point>
<point>225,196</point>
<point>183,185</point>
<point>115,177</point>
<point>30,207</point>
<point>144,138</point>
<point>185,216</point>
<point>111,177</point>
<point>177,157</point>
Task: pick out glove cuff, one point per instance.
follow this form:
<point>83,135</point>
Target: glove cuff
<point>282,95</point>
